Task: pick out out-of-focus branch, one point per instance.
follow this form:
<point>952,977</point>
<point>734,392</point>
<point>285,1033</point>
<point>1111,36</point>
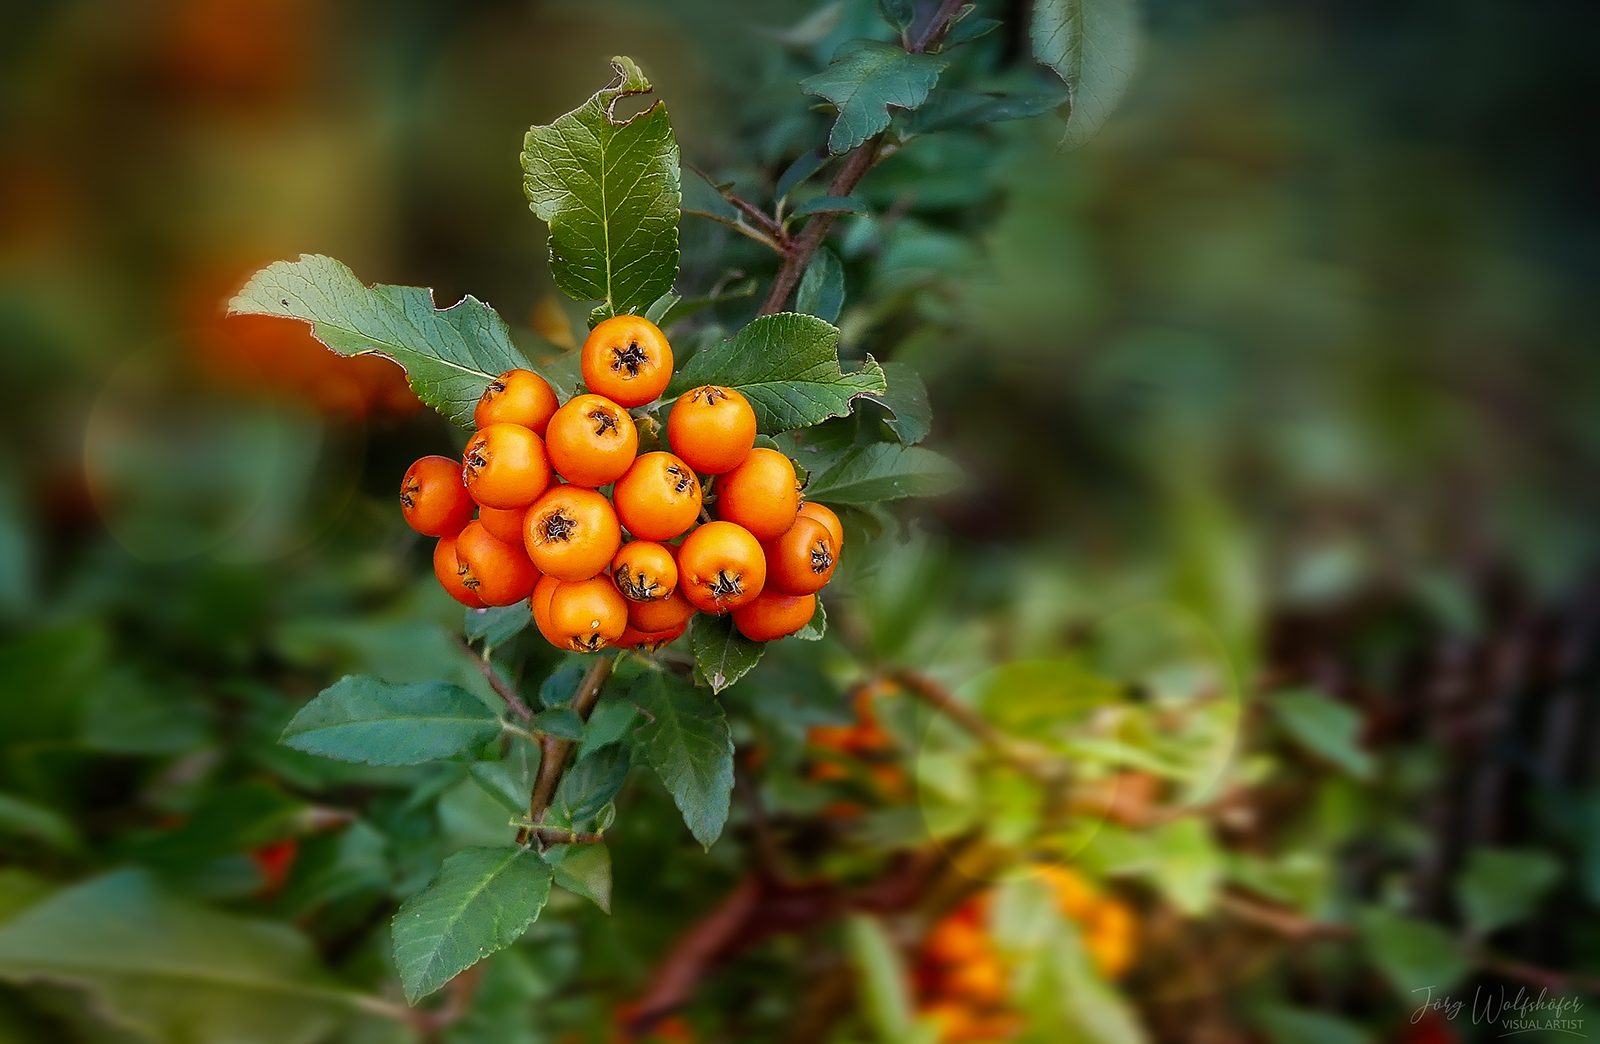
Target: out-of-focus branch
<point>1011,750</point>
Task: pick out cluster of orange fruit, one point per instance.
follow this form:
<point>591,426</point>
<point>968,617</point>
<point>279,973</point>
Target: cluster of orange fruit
<point>602,570</point>
<point>961,976</point>
<point>862,751</point>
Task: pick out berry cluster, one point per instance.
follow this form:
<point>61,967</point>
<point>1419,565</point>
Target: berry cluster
<point>546,532</point>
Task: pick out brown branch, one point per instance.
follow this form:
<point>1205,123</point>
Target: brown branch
<point>560,835</point>
<point>518,706</point>
<point>802,247</point>
<point>1279,919</point>
<point>937,26</point>
<point>553,750</point>
<point>1010,750</point>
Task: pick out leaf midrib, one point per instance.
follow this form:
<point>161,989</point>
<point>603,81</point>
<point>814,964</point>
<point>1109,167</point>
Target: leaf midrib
<point>470,898</point>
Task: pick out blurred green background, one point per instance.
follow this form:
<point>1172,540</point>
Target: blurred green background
<point>1303,341</point>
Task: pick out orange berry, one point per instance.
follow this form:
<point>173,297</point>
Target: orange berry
<point>503,523</point>
<point>592,441</point>
<point>720,567</point>
<point>711,429</point>
<point>644,571</point>
<point>432,498</point>
<point>499,572</point>
<point>516,397</point>
<point>824,514</point>
<point>761,494</point>
<point>628,360</point>
<point>448,569</point>
<point>649,641</point>
<point>587,615</point>
<point>505,466</point>
<point>571,533</point>
<point>979,978</point>
<point>801,561</point>
<point>664,614</point>
<point>539,603</point>
<point>658,498</point>
<point>773,614</point>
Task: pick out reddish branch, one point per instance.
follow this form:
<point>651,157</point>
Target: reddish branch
<point>553,750</point>
<point>518,706</point>
<point>1009,749</point>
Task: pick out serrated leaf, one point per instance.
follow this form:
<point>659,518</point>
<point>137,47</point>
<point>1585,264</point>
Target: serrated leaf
<point>947,110</point>
<point>864,80</point>
<point>690,747</point>
<point>482,900</point>
<point>907,401</point>
<point>583,870</point>
<point>798,171</point>
<point>561,722</point>
<point>500,624</point>
<point>1093,45</point>
<point>610,192</point>
<point>449,354</point>
<point>813,631</point>
<point>821,291</point>
<point>787,365</point>
<point>1501,886</point>
<point>363,719</point>
<point>721,654</point>
<point>829,205</point>
<point>1413,955</point>
<point>590,784</point>
<point>885,471</point>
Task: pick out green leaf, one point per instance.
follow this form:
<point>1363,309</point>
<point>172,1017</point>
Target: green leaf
<point>449,354</point>
<point>884,471</point>
<point>168,970</point>
<point>690,747</point>
<point>661,306</point>
<point>864,80</point>
<point>1188,865</point>
<point>562,685</point>
<point>787,365</point>
<point>40,823</point>
<point>721,654</point>
<point>798,171</point>
<point>583,870</point>
<point>608,723</point>
<point>1502,886</point>
<point>813,631</point>
<point>561,722</point>
<point>482,900</point>
<point>610,191</point>
<point>897,14</point>
<point>907,400</point>
<point>881,975</point>
<point>969,29</point>
<point>821,290</point>
<point>948,110</point>
<point>1324,727</point>
<point>590,784</point>
<point>1412,955</point>
<point>1093,45</point>
<point>498,625</point>
<point>510,781</point>
<point>829,205</point>
<point>364,719</point>
<point>690,305</point>
<point>1285,1025</point>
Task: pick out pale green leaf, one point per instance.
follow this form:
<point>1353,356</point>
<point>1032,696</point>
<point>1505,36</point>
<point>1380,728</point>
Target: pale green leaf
<point>482,900</point>
<point>171,971</point>
<point>787,365</point>
<point>690,747</point>
<point>884,471</point>
<point>821,291</point>
<point>881,974</point>
<point>610,191</point>
<point>1093,45</point>
<point>583,870</point>
<point>721,654</point>
<point>1324,727</point>
<point>23,818</point>
<point>364,719</point>
<point>1502,886</point>
<point>450,355</point>
<point>864,80</point>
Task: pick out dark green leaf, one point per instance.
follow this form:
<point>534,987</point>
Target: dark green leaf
<point>609,723</point>
<point>230,820</point>
<point>482,900</point>
<point>558,689</point>
<point>689,746</point>
<point>509,781</point>
<point>364,719</point>
<point>1324,727</point>
<point>721,654</point>
<point>907,400</point>
<point>798,171</point>
<point>498,625</point>
<point>610,191</point>
<point>690,305</point>
<point>864,80</point>
<point>449,354</point>
<point>1284,1025</point>
<point>830,205</point>
<point>169,970</point>
<point>947,110</point>
<point>970,29</point>
<point>885,471</point>
<point>1093,45</point>
<point>1413,955</point>
<point>590,784</point>
<point>821,290</point>
<point>583,870</point>
<point>787,365</point>
<point>813,631</point>
<point>897,14</point>
<point>1502,886</point>
<point>559,721</point>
